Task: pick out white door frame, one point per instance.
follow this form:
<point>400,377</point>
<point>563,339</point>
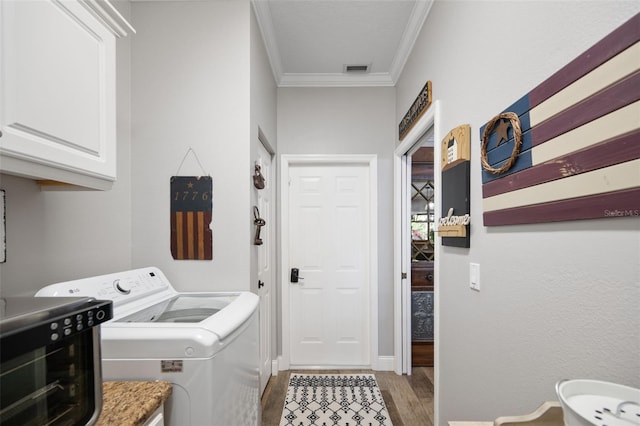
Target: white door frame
<point>402,288</point>
<point>270,232</point>
<point>285,162</point>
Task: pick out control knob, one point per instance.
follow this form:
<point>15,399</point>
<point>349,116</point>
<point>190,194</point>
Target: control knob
<point>121,287</point>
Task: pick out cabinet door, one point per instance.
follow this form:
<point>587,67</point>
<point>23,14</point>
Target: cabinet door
<point>58,93</point>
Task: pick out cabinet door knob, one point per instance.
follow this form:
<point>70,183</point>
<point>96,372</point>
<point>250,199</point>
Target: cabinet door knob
<point>429,277</point>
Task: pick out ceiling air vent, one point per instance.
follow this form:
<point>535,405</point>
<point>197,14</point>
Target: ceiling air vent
<point>356,68</point>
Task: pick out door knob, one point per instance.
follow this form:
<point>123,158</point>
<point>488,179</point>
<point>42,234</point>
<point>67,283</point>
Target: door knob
<point>260,284</point>
<point>295,275</point>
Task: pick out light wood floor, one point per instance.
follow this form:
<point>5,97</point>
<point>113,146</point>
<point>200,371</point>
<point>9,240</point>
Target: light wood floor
<point>409,399</point>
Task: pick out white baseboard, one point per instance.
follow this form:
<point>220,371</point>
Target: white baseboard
<point>386,363</point>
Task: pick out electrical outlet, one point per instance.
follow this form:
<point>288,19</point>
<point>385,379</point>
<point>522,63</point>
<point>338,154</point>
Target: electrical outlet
<point>474,276</point>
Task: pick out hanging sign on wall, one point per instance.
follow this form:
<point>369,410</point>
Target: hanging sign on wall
<point>191,206</point>
<point>419,106</point>
<point>455,222</point>
<point>569,148</point>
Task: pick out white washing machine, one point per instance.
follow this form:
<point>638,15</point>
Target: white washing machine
<point>206,344</point>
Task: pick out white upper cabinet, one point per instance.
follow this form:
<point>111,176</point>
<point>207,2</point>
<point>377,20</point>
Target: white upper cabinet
<point>58,90</point>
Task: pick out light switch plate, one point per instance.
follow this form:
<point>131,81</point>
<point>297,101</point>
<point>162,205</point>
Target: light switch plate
<point>474,276</point>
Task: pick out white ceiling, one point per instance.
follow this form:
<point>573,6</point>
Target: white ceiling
<point>309,42</point>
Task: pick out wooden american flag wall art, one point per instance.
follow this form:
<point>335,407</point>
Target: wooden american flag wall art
<point>191,207</point>
<point>580,146</point>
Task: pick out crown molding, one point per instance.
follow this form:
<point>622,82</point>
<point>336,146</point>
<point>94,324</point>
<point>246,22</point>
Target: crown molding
<point>412,31</point>
<point>106,13</point>
<point>265,22</point>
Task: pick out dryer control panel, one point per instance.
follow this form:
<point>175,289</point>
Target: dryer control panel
<point>120,287</point>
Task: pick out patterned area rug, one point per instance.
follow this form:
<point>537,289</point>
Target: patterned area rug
<point>334,400</point>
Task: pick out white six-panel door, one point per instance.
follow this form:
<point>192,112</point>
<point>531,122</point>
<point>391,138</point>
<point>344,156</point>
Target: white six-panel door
<point>329,241</point>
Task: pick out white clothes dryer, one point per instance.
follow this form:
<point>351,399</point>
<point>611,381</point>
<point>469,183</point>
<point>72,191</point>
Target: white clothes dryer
<point>205,344</point>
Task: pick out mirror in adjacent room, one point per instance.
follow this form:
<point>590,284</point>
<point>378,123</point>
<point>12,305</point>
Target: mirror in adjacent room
<point>422,205</point>
<point>422,256</point>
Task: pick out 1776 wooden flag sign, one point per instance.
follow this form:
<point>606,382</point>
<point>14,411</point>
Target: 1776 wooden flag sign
<point>191,204</point>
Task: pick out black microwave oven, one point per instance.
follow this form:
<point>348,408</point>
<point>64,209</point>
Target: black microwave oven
<point>50,364</point>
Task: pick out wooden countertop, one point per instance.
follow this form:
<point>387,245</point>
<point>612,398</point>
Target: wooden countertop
<point>131,403</point>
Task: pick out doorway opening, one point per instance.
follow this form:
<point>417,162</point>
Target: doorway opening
<point>422,251</point>
<point>426,129</point>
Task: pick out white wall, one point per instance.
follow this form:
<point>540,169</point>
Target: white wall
<point>350,121</point>
<point>263,90</point>
<point>263,119</point>
<point>191,88</point>
<point>57,236</point>
<point>557,300</point>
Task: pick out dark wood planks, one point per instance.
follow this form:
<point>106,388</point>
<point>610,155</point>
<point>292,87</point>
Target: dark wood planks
<point>422,385</point>
<point>394,414</point>
<point>273,399</point>
<point>422,354</point>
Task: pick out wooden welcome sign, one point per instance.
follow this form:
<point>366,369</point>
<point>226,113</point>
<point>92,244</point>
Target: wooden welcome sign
<point>455,221</point>
<point>570,148</point>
